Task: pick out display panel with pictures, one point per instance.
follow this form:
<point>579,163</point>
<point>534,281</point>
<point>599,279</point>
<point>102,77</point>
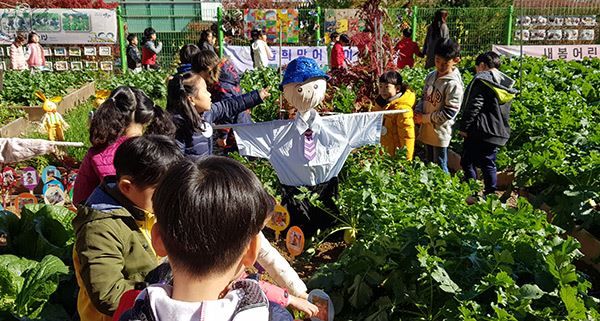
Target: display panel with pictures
<point>104,51</point>
<point>76,65</point>
<point>91,65</point>
<point>556,29</point>
<point>47,52</point>
<point>60,51</point>
<point>2,52</point>
<point>74,51</point>
<point>61,66</point>
<point>106,65</point>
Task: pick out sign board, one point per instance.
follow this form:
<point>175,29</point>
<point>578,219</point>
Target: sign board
<point>60,26</point>
<point>553,52</point>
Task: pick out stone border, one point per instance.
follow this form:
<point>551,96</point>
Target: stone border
<point>14,128</point>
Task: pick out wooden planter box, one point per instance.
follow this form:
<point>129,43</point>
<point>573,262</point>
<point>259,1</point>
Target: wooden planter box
<point>70,101</point>
<point>14,128</point>
<point>504,178</point>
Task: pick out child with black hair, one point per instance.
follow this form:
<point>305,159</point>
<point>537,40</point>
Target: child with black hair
<point>400,128</point>
<point>125,113</point>
<point>150,49</point>
<point>208,271</point>
<point>113,251</point>
<point>442,98</point>
<point>207,40</point>
<point>186,56</point>
<point>134,62</point>
<point>261,52</point>
<point>406,50</point>
<point>484,122</point>
<point>189,102</point>
<point>338,58</point>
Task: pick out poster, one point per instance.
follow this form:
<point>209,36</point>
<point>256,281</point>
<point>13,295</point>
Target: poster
<point>60,26</point>
<point>240,55</point>
<point>270,20</point>
<point>566,52</point>
<point>342,21</point>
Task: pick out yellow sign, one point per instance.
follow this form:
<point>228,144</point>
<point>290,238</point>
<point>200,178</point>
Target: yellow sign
<point>279,221</point>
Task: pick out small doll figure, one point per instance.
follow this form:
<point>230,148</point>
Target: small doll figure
<point>52,122</point>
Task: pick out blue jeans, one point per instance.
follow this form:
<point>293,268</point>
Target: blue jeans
<point>438,155</point>
<point>483,155</point>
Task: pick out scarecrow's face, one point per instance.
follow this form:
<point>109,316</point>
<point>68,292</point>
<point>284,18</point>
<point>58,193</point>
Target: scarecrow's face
<point>307,95</point>
<point>49,106</point>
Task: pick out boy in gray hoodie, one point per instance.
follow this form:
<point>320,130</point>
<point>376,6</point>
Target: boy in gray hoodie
<point>441,101</point>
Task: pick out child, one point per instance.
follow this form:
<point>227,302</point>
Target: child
<point>134,62</point>
<point>207,271</point>
<point>338,58</point>
<point>17,55</point>
<point>124,114</point>
<point>36,59</point>
<point>207,40</point>
<point>399,129</point>
<point>442,97</point>
<point>186,55</point>
<point>150,49</point>
<point>261,53</point>
<point>334,37</point>
<point>484,122</point>
<point>407,49</point>
<point>113,250</point>
<point>189,101</point>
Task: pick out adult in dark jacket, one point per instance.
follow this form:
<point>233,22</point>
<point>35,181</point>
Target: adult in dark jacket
<point>484,122</point>
<point>437,30</point>
<point>189,101</point>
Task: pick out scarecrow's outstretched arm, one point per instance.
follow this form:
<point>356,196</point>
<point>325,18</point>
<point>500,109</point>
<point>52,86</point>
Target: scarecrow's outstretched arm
<point>20,149</point>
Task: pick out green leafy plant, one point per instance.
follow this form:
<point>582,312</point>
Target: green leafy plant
<point>259,79</point>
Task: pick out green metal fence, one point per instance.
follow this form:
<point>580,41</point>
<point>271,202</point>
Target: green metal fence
<point>476,29</point>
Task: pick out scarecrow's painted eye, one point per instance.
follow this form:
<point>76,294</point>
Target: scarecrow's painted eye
<point>316,86</point>
<point>300,89</point>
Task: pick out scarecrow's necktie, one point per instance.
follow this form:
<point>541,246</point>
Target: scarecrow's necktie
<point>310,147</point>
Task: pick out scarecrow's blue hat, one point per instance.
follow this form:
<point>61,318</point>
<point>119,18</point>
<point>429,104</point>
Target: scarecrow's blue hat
<point>300,70</point>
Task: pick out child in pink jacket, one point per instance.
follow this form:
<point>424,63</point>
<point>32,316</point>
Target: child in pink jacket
<point>17,55</point>
<point>35,51</point>
<point>124,114</point>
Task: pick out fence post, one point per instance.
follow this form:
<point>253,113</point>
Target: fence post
<point>318,24</point>
<point>511,12</point>
<point>122,45</point>
<point>220,27</point>
<point>414,23</point>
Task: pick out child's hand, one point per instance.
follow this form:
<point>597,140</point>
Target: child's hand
<point>303,305</point>
<point>418,118</point>
<point>463,134</point>
<point>264,93</point>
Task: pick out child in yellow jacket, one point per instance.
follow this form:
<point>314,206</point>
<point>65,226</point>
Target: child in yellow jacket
<point>399,129</point>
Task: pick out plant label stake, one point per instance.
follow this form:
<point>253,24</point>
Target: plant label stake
<point>30,178</point>
<point>323,302</point>
<point>55,195</point>
<point>279,221</point>
<point>9,180</point>
<point>294,241</point>
<point>50,173</point>
<point>24,199</point>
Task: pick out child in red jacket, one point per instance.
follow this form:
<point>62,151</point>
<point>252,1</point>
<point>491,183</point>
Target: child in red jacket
<point>337,52</point>
<point>150,48</point>
<point>406,49</point>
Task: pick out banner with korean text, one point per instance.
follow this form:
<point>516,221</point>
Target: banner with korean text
<point>566,52</point>
<point>240,55</point>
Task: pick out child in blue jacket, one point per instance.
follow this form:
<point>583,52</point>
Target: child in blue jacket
<point>189,102</point>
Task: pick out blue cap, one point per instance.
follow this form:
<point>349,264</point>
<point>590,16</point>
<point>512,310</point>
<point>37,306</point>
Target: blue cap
<point>300,70</point>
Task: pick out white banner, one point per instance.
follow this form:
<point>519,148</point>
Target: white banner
<point>566,52</point>
<point>61,26</point>
<point>240,55</point>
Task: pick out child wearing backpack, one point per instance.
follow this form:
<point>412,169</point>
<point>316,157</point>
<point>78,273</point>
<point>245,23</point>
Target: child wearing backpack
<point>400,128</point>
<point>113,251</point>
<point>207,272</point>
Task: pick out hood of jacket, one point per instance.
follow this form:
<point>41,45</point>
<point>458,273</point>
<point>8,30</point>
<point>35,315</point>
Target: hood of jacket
<point>107,202</point>
<point>245,301</point>
<point>500,83</point>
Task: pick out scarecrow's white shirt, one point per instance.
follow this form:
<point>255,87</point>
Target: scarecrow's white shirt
<point>282,143</point>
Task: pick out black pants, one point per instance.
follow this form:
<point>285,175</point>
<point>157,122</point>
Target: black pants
<point>151,67</point>
<point>483,155</point>
<point>308,217</point>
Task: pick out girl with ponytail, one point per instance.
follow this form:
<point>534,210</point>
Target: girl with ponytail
<point>126,113</point>
<point>193,112</point>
